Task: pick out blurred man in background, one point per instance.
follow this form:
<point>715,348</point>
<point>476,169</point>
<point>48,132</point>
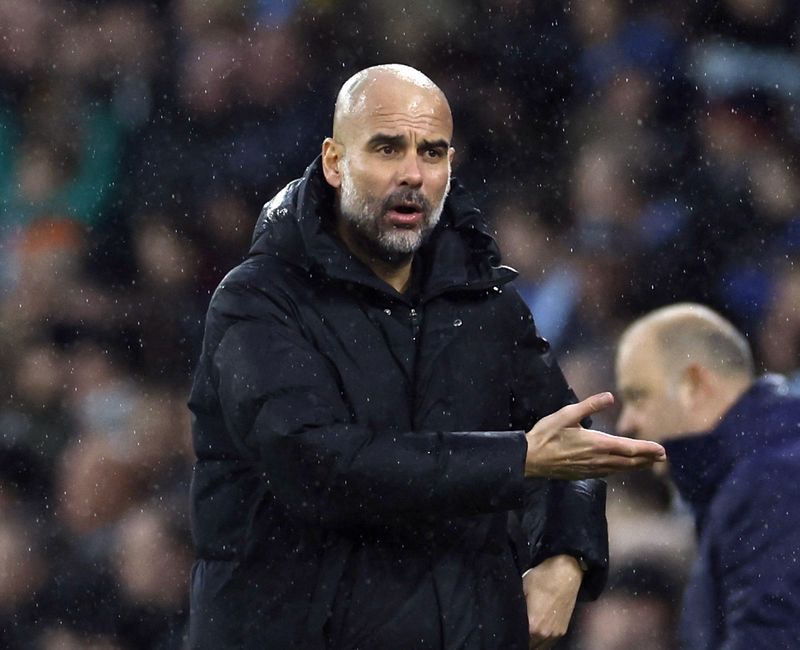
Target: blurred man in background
<point>686,378</point>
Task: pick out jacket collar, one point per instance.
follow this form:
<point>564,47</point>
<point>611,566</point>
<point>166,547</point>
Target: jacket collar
<point>763,418</point>
<point>297,227</point>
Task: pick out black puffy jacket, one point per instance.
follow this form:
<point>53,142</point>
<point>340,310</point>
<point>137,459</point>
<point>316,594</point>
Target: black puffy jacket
<point>359,476</point>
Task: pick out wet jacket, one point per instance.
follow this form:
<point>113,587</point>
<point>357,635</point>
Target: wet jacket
<point>742,483</point>
<point>359,475</point>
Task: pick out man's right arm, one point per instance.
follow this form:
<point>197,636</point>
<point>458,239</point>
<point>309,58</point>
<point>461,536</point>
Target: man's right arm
<point>281,403</point>
<point>563,516</point>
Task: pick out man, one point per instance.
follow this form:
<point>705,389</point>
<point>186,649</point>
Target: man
<point>361,407</point>
<point>686,378</point>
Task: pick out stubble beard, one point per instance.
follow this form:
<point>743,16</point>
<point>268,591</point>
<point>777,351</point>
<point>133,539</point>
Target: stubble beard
<point>365,215</point>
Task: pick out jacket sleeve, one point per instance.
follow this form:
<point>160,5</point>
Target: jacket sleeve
<point>281,404</point>
<point>559,517</point>
<point>755,556</point>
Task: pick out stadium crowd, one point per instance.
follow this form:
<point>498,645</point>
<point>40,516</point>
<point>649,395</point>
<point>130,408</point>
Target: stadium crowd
<point>627,154</point>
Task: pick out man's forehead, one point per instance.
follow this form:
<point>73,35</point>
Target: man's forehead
<point>394,103</point>
<point>400,122</point>
<point>387,103</point>
<point>638,358</point>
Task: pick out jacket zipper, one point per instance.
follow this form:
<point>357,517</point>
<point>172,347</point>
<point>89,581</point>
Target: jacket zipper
<point>414,316</point>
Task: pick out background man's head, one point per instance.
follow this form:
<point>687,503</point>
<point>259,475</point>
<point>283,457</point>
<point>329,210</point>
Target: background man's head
<point>679,369</point>
<point>389,160</point>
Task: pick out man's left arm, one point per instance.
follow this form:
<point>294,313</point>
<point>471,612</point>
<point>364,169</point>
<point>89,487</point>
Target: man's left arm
<point>568,518</point>
<point>551,589</point>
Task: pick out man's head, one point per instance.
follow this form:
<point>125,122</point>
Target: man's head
<point>389,160</point>
<point>679,369</point>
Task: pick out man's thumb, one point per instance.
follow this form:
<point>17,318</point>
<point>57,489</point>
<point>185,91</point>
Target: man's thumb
<point>574,413</point>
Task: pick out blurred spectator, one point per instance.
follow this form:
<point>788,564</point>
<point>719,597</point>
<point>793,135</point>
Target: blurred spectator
<point>779,337</point>
<point>165,312</point>
<point>768,23</point>
<point>152,560</point>
<point>644,595</point>
<point>224,229</point>
<point>648,522</point>
<point>547,280</point>
<point>37,419</point>
<point>22,574</point>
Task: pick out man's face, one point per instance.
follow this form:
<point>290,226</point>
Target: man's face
<point>651,404</point>
<point>395,171</point>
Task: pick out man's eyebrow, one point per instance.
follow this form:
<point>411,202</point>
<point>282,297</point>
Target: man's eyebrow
<point>385,138</point>
<point>434,144</point>
<point>630,392</point>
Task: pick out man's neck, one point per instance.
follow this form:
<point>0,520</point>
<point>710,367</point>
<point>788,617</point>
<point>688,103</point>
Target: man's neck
<point>395,272</point>
<point>397,277</point>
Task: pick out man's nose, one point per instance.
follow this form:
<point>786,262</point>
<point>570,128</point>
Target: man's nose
<point>410,171</point>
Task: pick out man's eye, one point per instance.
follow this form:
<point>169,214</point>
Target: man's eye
<point>386,149</point>
<point>433,153</point>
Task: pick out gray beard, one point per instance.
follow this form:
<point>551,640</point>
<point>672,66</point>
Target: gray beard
<point>384,241</point>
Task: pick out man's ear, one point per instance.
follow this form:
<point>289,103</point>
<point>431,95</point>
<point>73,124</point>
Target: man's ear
<point>695,385</point>
<point>331,162</point>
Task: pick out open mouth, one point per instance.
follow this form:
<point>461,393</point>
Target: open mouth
<point>405,214</point>
<point>407,208</point>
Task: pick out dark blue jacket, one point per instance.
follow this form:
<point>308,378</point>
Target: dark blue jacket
<point>743,483</point>
<point>359,476</point>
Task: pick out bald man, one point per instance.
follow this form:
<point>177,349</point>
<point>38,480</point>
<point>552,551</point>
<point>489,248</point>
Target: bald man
<point>387,455</point>
<point>686,379</point>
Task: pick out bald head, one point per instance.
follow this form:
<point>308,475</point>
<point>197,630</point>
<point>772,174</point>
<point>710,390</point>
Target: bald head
<point>383,88</point>
<point>688,333</point>
<point>679,370</point>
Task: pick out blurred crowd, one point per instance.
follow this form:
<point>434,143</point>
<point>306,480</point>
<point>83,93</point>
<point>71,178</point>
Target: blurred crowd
<point>628,155</point>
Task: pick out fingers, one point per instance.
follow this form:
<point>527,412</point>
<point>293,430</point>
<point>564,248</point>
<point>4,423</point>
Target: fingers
<point>605,465</point>
<point>603,454</point>
<point>542,636</point>
<point>572,414</point>
<point>541,639</point>
<point>627,447</point>
<point>612,454</point>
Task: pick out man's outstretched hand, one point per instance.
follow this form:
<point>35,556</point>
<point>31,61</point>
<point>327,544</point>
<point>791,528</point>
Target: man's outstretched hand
<point>559,447</point>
